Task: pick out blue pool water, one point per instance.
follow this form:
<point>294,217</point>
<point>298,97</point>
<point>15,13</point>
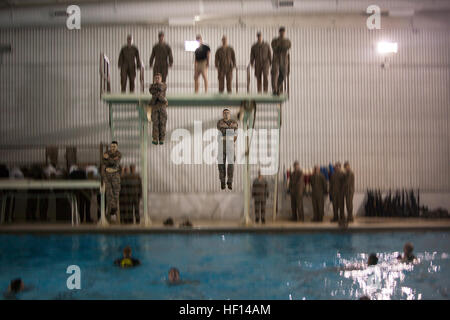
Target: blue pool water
<point>229,266</point>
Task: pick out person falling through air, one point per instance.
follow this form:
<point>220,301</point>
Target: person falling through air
<point>158,106</point>
<point>226,140</point>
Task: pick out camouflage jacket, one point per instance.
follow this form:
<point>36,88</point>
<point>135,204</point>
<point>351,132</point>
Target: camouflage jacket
<point>129,57</point>
<point>260,55</point>
<point>225,59</point>
<point>158,91</point>
<point>225,127</point>
<point>318,185</point>
<point>280,49</point>
<point>161,52</point>
<point>113,160</point>
<point>260,190</point>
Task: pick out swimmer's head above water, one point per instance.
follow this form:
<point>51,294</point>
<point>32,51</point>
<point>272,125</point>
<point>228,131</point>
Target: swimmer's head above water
<point>174,275</point>
<point>373,260</point>
<point>16,286</point>
<point>408,255</point>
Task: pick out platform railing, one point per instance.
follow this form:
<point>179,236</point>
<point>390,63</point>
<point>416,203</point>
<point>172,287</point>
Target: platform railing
<point>105,74</point>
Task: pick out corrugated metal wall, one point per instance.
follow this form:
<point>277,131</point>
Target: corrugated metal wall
<point>392,124</point>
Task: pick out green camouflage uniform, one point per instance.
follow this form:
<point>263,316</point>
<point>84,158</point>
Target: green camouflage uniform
<point>280,62</point>
<point>260,193</point>
<point>337,181</point>
<point>112,179</point>
<point>159,111</point>
<point>319,189</point>
<point>349,190</point>
<point>226,148</point>
<point>161,52</point>
<point>225,62</point>
<point>128,60</point>
<point>261,57</point>
<point>296,189</point>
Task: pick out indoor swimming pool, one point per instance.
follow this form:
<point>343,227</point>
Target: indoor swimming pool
<point>229,265</point>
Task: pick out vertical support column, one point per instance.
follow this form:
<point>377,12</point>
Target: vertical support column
<point>103,222</point>
<point>144,164</point>
<point>248,125</point>
<point>275,193</point>
<point>246,167</point>
<point>111,121</point>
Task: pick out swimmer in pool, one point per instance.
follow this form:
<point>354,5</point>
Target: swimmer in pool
<point>371,261</point>
<point>408,255</point>
<point>127,261</point>
<point>174,278</point>
<point>16,286</point>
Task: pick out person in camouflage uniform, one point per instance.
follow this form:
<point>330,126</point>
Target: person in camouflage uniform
<point>296,190</point>
<point>319,190</point>
<point>225,62</point>
<point>260,193</point>
<point>261,59</point>
<point>349,190</point>
<point>280,62</point>
<point>158,106</point>
<point>227,136</point>
<point>128,61</point>
<point>136,191</point>
<point>162,56</point>
<point>337,181</point>
<point>111,176</point>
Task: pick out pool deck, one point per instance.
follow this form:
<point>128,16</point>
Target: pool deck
<point>361,224</point>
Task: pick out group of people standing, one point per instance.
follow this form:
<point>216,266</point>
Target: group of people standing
<point>341,189</point>
<point>262,57</point>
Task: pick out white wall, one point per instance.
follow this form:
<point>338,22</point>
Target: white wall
<point>391,124</point>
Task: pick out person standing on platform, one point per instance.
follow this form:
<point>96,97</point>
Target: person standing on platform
<point>225,62</point>
<point>260,193</point>
<point>158,106</point>
<point>128,61</point>
<point>280,62</point>
<point>349,190</point>
<point>319,190</point>
<point>136,192</point>
<point>296,189</point>
<point>162,56</point>
<point>226,140</point>
<point>337,181</point>
<point>111,177</point>
<point>201,63</point>
<point>261,59</point>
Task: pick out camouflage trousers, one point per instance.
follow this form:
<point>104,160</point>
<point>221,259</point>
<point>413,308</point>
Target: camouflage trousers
<point>338,207</point>
<point>279,72</point>
<point>226,152</point>
<point>127,73</point>
<point>348,199</point>
<point>260,210</point>
<point>112,184</point>
<point>318,207</point>
<point>159,119</point>
<point>164,70</point>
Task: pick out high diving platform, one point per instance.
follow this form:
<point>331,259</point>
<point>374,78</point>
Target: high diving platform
<point>247,102</point>
<point>197,99</point>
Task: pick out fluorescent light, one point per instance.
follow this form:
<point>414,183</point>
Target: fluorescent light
<point>191,45</point>
<point>181,21</point>
<point>401,12</point>
<point>387,47</point>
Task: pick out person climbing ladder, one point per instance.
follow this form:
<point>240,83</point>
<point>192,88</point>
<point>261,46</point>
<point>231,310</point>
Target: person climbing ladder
<point>158,106</point>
